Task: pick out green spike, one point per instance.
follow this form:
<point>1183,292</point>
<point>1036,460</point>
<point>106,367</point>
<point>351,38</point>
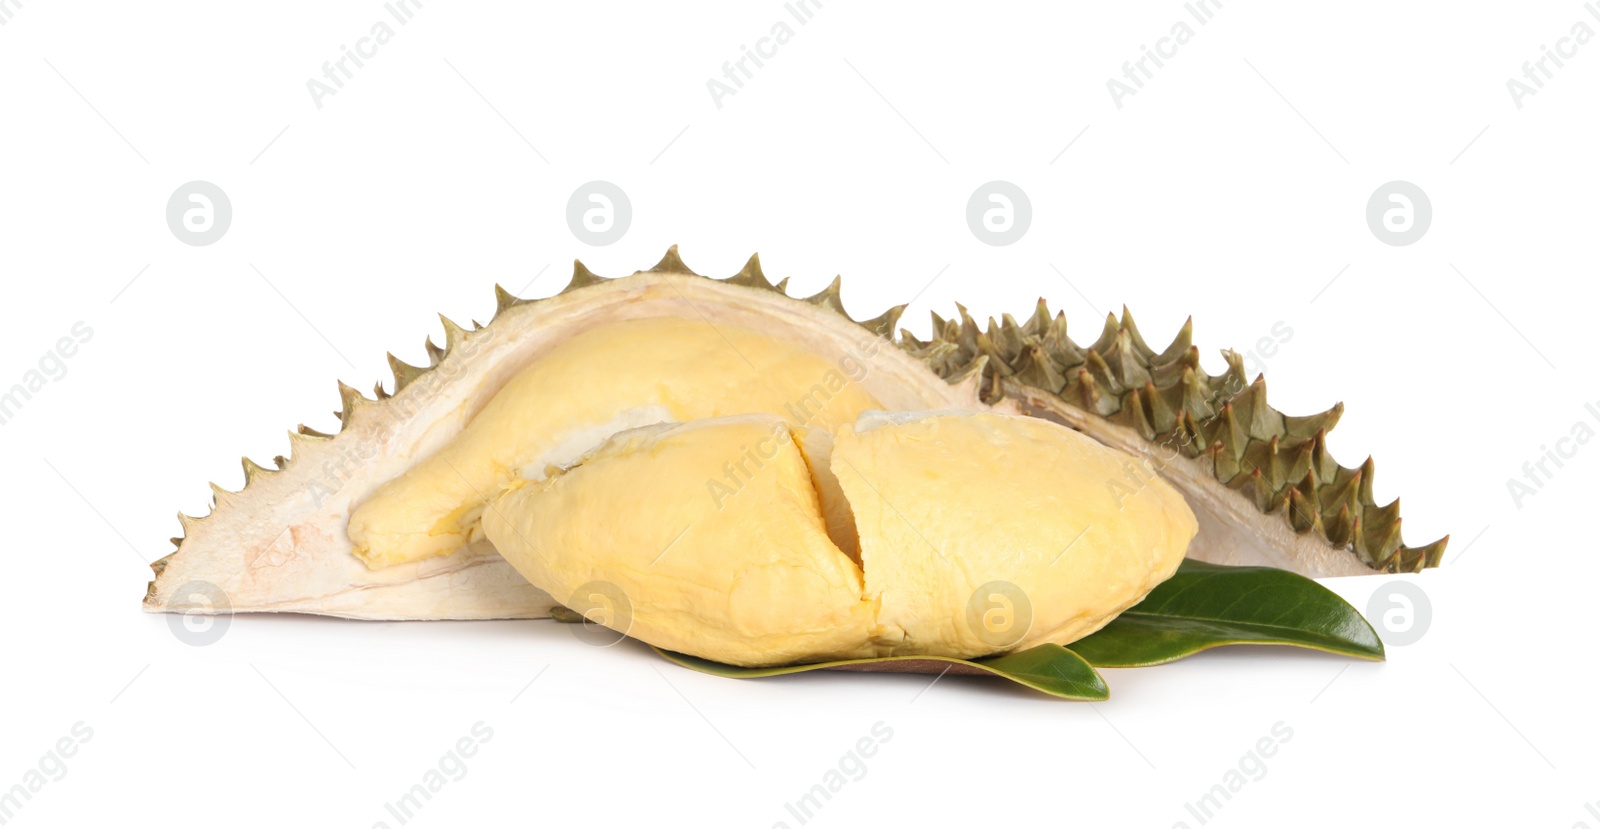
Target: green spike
<point>350,400</point>
<point>672,263</point>
<point>504,300</point>
<point>1341,527</point>
<point>404,373</point>
<point>829,297</point>
<point>997,358</point>
<point>454,334</point>
<point>1038,325</point>
<point>1036,368</point>
<point>582,277</point>
<point>1134,338</point>
<point>883,324</point>
<point>1303,517</point>
<point>1181,344</point>
<point>252,470</point>
<point>1108,335</point>
<point>1160,409</point>
<point>1309,425</point>
<point>751,276</point>
<point>1131,413</point>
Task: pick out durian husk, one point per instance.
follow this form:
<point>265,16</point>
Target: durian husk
<point>1215,435</point>
<point>1262,484</point>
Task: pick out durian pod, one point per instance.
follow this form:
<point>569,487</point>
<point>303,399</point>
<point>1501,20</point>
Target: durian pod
<point>1308,513</point>
<point>1262,484</point>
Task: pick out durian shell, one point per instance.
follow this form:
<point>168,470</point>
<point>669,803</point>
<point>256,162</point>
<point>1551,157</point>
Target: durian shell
<point>1263,485</point>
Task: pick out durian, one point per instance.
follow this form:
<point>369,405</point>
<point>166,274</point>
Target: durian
<point>1262,486</point>
<point>978,533</point>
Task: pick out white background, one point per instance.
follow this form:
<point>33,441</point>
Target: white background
<point>1232,187</point>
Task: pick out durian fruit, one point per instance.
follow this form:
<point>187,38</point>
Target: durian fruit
<point>978,533</point>
<point>1261,484</point>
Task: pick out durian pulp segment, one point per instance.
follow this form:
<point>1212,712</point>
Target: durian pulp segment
<point>946,503</point>
<point>598,382</point>
<point>943,506</point>
<point>745,573</point>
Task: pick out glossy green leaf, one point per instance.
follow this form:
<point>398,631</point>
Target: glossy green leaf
<point>1052,669</point>
<point>1205,606</point>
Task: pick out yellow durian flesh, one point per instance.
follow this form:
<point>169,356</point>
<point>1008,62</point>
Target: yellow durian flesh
<point>961,519</point>
<point>981,531</point>
<point>600,381</point>
<point>744,574</point>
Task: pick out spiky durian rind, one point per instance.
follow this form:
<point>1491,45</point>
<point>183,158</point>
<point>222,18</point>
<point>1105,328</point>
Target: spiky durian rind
<point>1281,463</point>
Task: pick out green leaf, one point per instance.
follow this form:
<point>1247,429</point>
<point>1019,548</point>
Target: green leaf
<point>1052,669</point>
<point>1205,605</point>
